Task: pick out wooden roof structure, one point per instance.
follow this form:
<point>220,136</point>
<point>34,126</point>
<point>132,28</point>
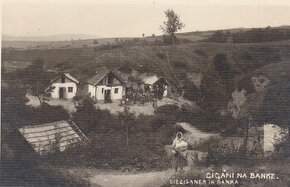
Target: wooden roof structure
<point>100,75</point>
<point>67,75</point>
<point>49,137</point>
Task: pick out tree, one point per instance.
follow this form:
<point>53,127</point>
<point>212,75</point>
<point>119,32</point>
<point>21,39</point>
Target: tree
<point>275,107</point>
<point>126,119</point>
<point>37,80</point>
<point>172,25</point>
<point>275,110</point>
<point>221,65</point>
<point>13,102</point>
<point>92,119</point>
<point>86,115</point>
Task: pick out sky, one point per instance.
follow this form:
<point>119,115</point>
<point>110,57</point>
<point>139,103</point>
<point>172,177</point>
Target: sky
<point>132,18</point>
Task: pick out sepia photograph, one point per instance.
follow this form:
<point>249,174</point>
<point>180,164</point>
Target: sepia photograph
<point>145,93</point>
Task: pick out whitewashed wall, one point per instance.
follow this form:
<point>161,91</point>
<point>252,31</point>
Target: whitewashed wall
<point>91,90</point>
<point>99,94</point>
<point>96,92</point>
<point>118,95</point>
<point>67,95</point>
<point>271,134</point>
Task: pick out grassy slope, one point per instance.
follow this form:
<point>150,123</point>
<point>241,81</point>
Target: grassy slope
<point>190,56</point>
<point>247,59</point>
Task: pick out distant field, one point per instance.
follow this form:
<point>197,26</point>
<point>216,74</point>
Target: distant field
<point>191,36</point>
<point>14,65</point>
<point>24,45</point>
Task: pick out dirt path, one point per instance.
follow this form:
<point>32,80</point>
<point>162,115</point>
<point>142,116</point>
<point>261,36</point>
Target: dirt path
<point>142,179</point>
<point>194,135</point>
<point>114,108</point>
<point>132,180</point>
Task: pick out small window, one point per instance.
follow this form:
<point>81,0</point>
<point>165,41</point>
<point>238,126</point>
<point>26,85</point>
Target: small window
<point>102,90</point>
<point>62,79</point>
<point>116,90</point>
<point>70,89</point>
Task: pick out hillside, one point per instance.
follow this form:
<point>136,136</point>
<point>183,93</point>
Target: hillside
<point>191,57</point>
<point>80,41</point>
<point>178,64</point>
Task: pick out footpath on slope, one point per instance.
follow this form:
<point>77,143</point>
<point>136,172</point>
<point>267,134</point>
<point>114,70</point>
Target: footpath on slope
<point>149,179</point>
<point>146,179</point>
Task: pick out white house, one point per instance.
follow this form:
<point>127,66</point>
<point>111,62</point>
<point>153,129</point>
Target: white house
<point>154,82</point>
<point>65,87</point>
<point>106,86</point>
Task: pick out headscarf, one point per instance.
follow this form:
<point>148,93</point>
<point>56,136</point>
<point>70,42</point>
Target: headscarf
<point>181,136</point>
<point>177,140</point>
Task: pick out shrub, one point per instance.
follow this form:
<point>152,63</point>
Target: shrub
<point>15,173</point>
<point>220,153</point>
<point>191,92</point>
<point>145,152</point>
<point>282,146</point>
<point>47,113</point>
<point>92,119</point>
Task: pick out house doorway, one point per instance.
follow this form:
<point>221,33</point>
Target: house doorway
<point>61,93</point>
<point>108,98</point>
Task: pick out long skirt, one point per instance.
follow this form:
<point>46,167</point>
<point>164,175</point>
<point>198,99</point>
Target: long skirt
<point>179,160</point>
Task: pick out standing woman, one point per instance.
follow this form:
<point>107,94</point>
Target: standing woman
<point>179,150</point>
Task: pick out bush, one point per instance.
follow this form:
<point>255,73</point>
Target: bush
<point>47,113</point>
<point>91,119</point>
<point>147,136</point>
<point>220,153</point>
<point>191,92</point>
<point>215,91</point>
<point>145,152</point>
<point>15,173</point>
<point>282,147</point>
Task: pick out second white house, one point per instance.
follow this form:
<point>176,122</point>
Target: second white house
<point>106,86</point>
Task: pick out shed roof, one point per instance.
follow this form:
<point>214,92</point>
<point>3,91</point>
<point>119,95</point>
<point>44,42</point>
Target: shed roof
<point>59,133</point>
<point>67,75</point>
<point>150,79</point>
